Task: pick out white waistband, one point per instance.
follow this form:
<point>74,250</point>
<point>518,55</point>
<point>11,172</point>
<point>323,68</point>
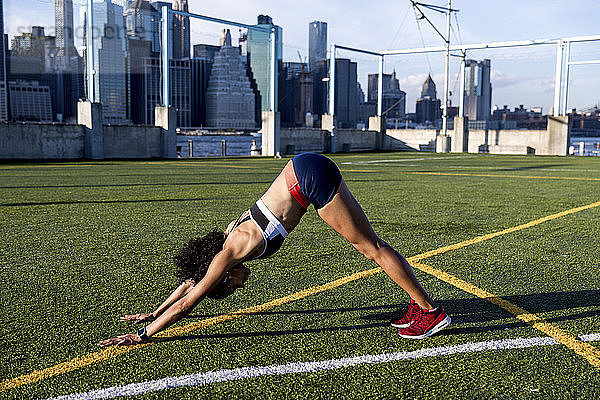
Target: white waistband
<point>272,218</point>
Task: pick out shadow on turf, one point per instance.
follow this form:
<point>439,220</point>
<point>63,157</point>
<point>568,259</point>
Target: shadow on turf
<point>134,184</point>
<point>462,311</point>
<point>466,309</point>
<point>55,203</point>
<point>544,166</point>
<point>272,333</point>
<point>456,320</point>
<point>394,307</point>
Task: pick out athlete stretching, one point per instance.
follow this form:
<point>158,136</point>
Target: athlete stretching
<point>212,266</point>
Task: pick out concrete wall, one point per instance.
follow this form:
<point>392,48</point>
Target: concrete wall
<point>405,139</point>
<point>271,134</point>
<point>298,140</point>
<point>41,141</point>
<point>59,141</point>
<point>90,138</point>
<point>559,136</point>
<point>517,142</point>
<point>131,141</point>
<point>552,141</point>
<point>506,141</point>
<point>347,140</point>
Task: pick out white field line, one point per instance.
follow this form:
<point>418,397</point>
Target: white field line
<point>467,167</point>
<point>393,160</point>
<point>508,169</point>
<point>592,337</point>
<point>226,375</point>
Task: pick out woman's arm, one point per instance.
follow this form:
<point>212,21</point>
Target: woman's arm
<point>236,250</point>
<point>180,292</point>
<point>221,263</point>
<point>177,294</point>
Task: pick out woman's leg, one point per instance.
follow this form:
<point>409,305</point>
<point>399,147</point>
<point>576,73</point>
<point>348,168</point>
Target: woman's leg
<point>345,215</point>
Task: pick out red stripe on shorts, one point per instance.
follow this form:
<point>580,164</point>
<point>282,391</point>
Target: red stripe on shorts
<point>292,183</point>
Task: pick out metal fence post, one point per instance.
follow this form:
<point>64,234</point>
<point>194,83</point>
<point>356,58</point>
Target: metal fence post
<point>332,56</point>
<point>165,47</point>
<point>380,88</point>
<point>558,77</point>
<point>91,68</point>
<point>273,72</point>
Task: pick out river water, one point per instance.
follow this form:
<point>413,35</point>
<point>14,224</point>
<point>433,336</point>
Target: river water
<point>211,146</point>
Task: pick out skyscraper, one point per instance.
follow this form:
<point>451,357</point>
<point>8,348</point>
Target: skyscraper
<point>181,31</point>
<point>346,93</point>
<point>143,23</point>
<point>63,17</point>
<point>32,44</point>
<point>139,51</point>
<point>158,5</point>
<point>112,84</point>
<point>200,69</point>
<point>478,90</point>
<point>428,105</point>
<point>295,93</point>
<point>3,80</point>
<point>317,42</point>
<point>320,87</point>
<point>33,65</point>
<point>429,91</point>
<point>30,101</point>
<point>66,64</point>
<point>394,99</point>
<point>229,98</point>
<point>259,56</point>
<point>179,95</point>
<point>317,51</point>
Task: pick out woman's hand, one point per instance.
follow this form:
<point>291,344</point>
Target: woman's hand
<point>137,318</point>
<point>123,340</point>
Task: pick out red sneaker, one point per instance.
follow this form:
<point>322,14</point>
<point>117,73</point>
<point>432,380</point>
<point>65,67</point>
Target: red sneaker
<point>411,313</point>
<point>426,323</point>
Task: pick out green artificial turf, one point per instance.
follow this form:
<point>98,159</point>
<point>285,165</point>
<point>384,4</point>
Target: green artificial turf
<point>86,242</point>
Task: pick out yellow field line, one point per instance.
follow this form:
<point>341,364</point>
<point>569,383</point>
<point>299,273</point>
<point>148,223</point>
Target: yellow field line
<point>111,352</point>
<point>589,352</point>
<point>199,164</point>
<point>492,235</point>
<point>213,164</point>
<point>48,166</point>
<point>574,178</point>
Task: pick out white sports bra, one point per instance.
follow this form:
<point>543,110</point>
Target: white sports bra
<point>270,227</point>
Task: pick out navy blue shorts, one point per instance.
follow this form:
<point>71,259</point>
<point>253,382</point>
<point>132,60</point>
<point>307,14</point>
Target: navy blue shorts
<point>317,179</point>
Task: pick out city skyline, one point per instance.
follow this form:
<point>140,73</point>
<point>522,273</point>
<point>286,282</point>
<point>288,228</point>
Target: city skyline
<point>518,76</point>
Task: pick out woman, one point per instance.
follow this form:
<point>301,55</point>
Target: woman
<point>212,266</point>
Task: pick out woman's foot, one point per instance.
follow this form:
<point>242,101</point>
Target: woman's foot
<point>426,323</point>
<point>411,313</point>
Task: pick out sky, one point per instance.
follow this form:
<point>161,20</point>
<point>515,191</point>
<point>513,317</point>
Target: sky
<point>519,75</point>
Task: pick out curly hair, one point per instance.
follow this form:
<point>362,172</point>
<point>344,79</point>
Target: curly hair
<point>195,256</point>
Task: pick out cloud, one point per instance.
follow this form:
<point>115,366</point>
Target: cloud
<point>17,22</point>
<point>501,80</point>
